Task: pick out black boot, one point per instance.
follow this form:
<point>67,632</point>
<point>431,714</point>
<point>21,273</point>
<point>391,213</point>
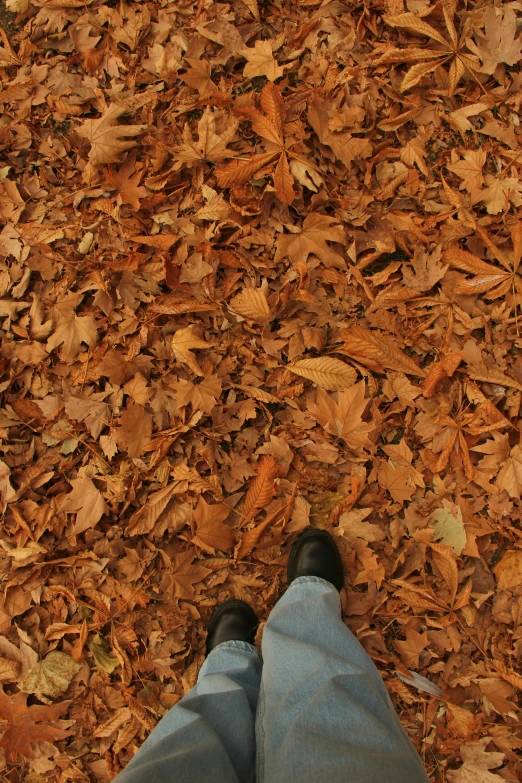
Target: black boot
<point>232,621</point>
<point>315,553</point>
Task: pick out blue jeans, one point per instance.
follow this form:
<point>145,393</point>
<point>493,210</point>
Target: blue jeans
<point>315,710</point>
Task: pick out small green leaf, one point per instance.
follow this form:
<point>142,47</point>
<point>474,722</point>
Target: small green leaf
<point>101,651</point>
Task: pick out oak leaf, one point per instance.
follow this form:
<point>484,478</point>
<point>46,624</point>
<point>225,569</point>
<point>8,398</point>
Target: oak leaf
<point>107,139</point>
<point>26,725</point>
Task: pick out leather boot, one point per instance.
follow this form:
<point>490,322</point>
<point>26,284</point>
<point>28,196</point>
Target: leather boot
<point>315,553</point>
<point>232,621</point>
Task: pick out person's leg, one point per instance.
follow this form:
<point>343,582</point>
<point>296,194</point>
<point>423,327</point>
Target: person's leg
<point>209,735</point>
<point>324,713</point>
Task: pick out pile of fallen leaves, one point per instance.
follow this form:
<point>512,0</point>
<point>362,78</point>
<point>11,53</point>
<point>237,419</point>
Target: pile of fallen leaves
<point>259,269</point>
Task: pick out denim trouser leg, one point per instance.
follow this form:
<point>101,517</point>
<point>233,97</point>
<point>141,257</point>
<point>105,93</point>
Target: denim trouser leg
<point>209,735</point>
<point>324,715</point>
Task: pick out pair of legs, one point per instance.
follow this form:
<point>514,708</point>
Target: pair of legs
<point>315,709</point>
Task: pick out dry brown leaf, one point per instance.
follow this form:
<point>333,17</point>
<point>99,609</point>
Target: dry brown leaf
<point>262,488</point>
<point>27,725</point>
<point>377,351</point>
<point>251,303</point>
<point>326,372</point>
<point>107,139</point>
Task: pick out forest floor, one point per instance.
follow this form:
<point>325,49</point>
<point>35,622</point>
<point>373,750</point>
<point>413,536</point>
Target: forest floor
<point>259,269</point>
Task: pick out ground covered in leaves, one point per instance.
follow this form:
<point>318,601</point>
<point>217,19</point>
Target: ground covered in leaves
<point>259,269</point>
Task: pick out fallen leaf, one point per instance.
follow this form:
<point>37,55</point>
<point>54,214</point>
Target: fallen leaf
<point>326,372</point>
<point>211,533</point>
<point>261,61</point>
<point>184,342</point>
<point>449,528</point>
<point>27,725</point>
<point>476,764</point>
<point>107,139</point>
<point>86,501</point>
<point>50,677</point>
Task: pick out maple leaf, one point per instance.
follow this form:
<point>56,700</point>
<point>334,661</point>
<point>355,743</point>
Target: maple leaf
<point>344,417</point>
<point>411,648</point>
<point>202,396</point>
<point>451,50</point>
<point>210,144</point>
<point>345,146</point>
<point>26,725</point>
<point>183,342</point>
<point>199,76</point>
<point>106,138</point>
<point>477,763</point>
<point>470,171</point>
<point>71,331</point>
<point>449,526</point>
<point>426,270</point>
<point>185,575</point>
<point>261,61</point>
<point>135,430</point>
<point>211,533</point>
<point>509,570</point>
<point>500,44</point>
<point>127,182</point>
<point>313,238</point>
<point>86,501</point>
